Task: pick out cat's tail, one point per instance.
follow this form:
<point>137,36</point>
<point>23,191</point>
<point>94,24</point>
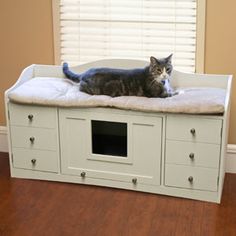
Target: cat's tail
<point>69,74</point>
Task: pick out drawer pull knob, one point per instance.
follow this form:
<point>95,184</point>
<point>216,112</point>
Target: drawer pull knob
<point>30,117</point>
<point>191,156</point>
<point>134,180</point>
<point>193,131</point>
<point>83,174</point>
<point>190,179</point>
<point>32,139</point>
<point>33,161</point>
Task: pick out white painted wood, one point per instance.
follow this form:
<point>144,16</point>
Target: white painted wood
<point>179,79</point>
<point>230,155</point>
<point>45,139</point>
<point>45,160</point>
<point>231,159</point>
<point>43,128</point>
<point>203,178</point>
<point>144,148</point>
<point>43,117</point>
<point>113,63</point>
<point>225,136</point>
<point>146,145</point>
<point>206,130</point>
<point>204,155</point>
<point>160,189</point>
<point>48,71</point>
<point>56,71</point>
<point>231,149</point>
<point>112,118</point>
<point>26,74</point>
<point>148,132</point>
<point>183,79</point>
<point>231,163</point>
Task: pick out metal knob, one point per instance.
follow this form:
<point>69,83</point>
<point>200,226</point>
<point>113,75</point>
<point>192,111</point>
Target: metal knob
<point>30,117</point>
<point>83,174</point>
<point>190,179</point>
<point>33,161</point>
<point>193,131</point>
<point>134,180</point>
<point>191,156</point>
<point>32,139</point>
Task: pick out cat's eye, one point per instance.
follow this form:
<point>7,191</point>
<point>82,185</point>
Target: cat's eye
<point>168,70</point>
<point>159,70</point>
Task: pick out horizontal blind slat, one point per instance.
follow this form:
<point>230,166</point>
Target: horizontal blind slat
<point>132,10</point>
<point>135,46</point>
<point>150,40</point>
<point>92,29</point>
<point>75,25</point>
<point>131,18</point>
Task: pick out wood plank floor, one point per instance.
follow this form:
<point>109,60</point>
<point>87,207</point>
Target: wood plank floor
<point>30,207</point>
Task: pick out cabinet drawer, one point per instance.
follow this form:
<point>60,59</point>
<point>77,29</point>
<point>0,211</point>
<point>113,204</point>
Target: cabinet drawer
<point>35,159</point>
<point>194,129</point>
<point>34,138</point>
<point>191,177</point>
<point>192,153</point>
<point>33,116</point>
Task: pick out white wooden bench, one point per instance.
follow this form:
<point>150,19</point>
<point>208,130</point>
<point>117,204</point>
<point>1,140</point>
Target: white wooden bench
<point>177,153</point>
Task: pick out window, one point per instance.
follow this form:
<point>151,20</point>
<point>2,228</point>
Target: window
<point>88,30</point>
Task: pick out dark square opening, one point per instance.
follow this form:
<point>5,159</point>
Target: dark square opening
<point>109,138</point>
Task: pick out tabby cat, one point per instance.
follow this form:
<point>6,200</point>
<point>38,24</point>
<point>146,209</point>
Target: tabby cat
<point>150,81</point>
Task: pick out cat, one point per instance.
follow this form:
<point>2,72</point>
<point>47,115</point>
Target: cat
<point>150,81</point>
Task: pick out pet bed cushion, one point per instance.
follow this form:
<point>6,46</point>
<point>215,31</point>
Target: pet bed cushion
<point>62,92</point>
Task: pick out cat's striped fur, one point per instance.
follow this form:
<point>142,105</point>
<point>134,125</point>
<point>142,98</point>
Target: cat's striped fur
<point>151,81</point>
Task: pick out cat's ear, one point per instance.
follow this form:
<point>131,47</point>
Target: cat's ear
<point>169,58</point>
<point>153,61</point>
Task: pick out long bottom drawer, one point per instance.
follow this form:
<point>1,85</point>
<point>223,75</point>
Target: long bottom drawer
<point>191,177</point>
<point>35,159</point>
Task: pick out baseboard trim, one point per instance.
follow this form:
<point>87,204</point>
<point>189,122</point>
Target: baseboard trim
<point>3,139</point>
<point>230,158</point>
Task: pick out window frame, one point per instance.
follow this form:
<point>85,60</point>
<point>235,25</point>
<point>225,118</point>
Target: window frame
<point>200,34</point>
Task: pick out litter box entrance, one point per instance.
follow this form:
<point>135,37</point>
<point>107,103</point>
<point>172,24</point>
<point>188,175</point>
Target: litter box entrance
<point>109,138</point>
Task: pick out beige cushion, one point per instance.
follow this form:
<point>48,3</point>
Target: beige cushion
<point>62,92</point>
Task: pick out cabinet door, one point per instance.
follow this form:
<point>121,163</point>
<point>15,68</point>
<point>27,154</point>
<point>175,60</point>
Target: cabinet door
<point>131,150</point>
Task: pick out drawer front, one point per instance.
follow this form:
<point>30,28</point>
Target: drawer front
<point>35,159</point>
<point>191,177</point>
<point>192,153</point>
<point>33,116</point>
<point>194,129</point>
<point>34,138</point>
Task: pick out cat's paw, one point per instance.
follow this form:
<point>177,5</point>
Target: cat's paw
<point>169,94</point>
<point>174,93</point>
<point>165,94</point>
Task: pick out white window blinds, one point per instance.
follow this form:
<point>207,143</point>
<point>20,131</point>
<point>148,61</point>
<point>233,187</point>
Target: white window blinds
<point>98,29</point>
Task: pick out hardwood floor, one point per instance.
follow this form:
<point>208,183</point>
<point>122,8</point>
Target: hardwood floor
<point>30,207</point>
